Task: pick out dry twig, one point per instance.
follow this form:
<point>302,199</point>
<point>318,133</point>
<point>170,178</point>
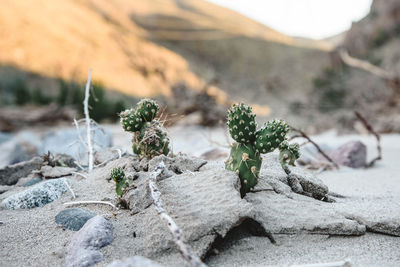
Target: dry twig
<point>304,135</point>
<point>185,250</point>
<point>88,120</point>
<point>377,136</point>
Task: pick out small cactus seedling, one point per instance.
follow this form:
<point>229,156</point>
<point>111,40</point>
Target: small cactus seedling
<point>121,182</point>
<point>150,139</point>
<point>245,156</point>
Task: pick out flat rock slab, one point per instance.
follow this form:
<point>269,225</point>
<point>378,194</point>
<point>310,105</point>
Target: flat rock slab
<point>280,214</point>
<point>83,250</point>
<point>73,219</point>
<point>10,175</point>
<point>37,196</point>
<point>137,261</point>
<point>55,172</point>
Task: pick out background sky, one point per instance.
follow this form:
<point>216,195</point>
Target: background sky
<point>316,19</point>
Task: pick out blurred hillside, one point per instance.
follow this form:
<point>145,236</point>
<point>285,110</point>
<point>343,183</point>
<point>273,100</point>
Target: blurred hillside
<point>147,48</point>
<point>143,48</point>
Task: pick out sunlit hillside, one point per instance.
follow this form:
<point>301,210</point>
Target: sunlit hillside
<point>144,47</point>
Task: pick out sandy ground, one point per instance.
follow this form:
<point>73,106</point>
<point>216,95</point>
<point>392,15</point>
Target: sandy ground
<point>32,238</point>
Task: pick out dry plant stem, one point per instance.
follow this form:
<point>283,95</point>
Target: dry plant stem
<point>70,189</point>
<point>365,65</point>
<point>176,232</point>
<point>304,135</point>
<point>87,119</point>
<point>90,202</point>
<point>377,136</point>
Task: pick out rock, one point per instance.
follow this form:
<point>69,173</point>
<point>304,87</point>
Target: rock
<point>31,181</point>
<point>54,172</point>
<point>178,164</point>
<point>83,250</point>
<point>4,188</point>
<point>73,219</point>
<point>59,142</point>
<point>20,147</point>
<point>280,214</point>
<point>37,196</point>
<point>64,160</point>
<point>352,154</point>
<point>105,155</point>
<point>136,261</point>
<point>205,204</point>
<point>10,175</point>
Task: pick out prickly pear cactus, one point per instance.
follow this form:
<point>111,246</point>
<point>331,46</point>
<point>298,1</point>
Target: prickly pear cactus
<point>245,156</point>
<point>245,161</point>
<point>147,109</point>
<point>242,124</point>
<point>121,182</point>
<point>271,135</point>
<point>289,153</point>
<point>131,121</point>
<point>150,139</point>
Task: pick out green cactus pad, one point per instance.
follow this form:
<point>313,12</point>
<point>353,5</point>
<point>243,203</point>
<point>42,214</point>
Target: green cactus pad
<point>242,124</point>
<point>131,121</point>
<point>269,137</point>
<point>147,109</point>
<point>245,161</point>
<point>121,182</point>
<point>288,153</point>
<point>151,141</point>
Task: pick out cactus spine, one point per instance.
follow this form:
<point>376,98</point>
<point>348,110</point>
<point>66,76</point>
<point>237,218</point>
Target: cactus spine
<point>150,139</point>
<point>245,156</point>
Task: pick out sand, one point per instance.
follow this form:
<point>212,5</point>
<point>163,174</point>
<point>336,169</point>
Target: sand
<point>32,238</point>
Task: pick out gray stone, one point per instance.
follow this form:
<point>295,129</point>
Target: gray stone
<point>17,148</point>
<point>136,261</point>
<point>54,172</point>
<point>5,188</point>
<point>37,196</point>
<point>105,155</point>
<point>205,205</point>
<point>31,181</point>
<point>351,154</point>
<point>66,141</point>
<point>73,219</point>
<point>10,175</point>
<point>83,250</point>
<point>178,164</point>
<point>280,214</point>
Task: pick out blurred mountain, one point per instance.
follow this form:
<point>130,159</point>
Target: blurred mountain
<point>144,48</point>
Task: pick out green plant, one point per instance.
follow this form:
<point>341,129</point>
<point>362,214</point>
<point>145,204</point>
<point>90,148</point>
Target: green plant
<point>21,93</point>
<point>150,139</point>
<point>121,181</point>
<point>245,155</point>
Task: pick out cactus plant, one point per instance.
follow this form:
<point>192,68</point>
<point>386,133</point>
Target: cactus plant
<point>150,139</point>
<point>121,181</point>
<point>245,156</point>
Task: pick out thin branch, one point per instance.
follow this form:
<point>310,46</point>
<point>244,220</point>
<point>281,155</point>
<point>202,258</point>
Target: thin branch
<point>377,136</point>
<point>76,123</point>
<point>185,250</point>
<point>304,135</point>
<point>365,65</point>
<point>90,202</point>
<point>88,120</point>
<point>70,189</point>
<point>80,174</point>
